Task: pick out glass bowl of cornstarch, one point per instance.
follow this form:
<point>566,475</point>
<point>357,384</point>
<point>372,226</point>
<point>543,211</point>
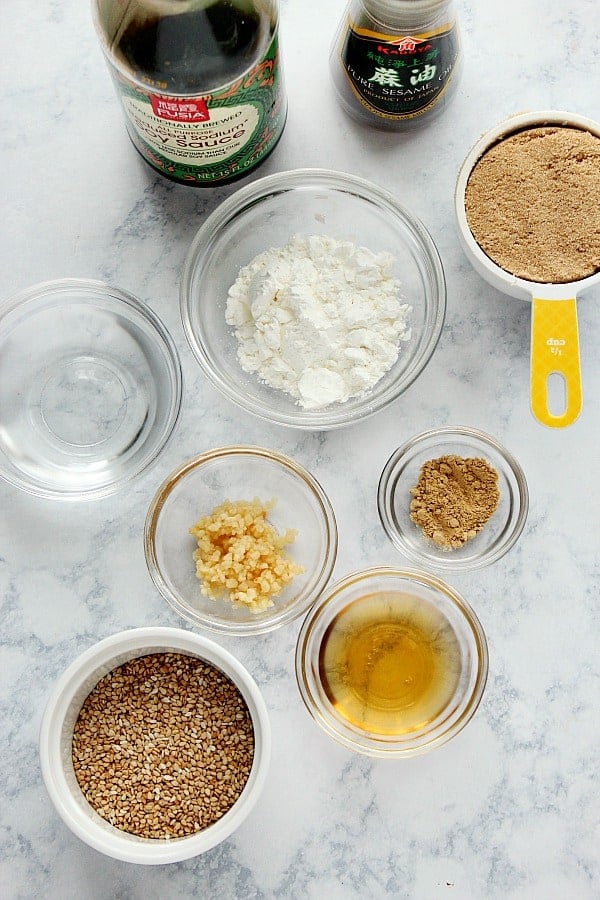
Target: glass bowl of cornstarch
<point>312,298</point>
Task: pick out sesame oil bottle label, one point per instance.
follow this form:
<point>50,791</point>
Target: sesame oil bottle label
<point>210,138</point>
<point>399,76</point>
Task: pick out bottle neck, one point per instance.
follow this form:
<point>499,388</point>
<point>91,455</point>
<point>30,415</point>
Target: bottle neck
<point>170,7</point>
<point>406,14</point>
<point>185,47</point>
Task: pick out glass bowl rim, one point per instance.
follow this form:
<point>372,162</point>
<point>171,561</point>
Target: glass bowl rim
<point>388,479</point>
<point>280,183</point>
<point>372,746</point>
<point>96,287</point>
<point>273,621</point>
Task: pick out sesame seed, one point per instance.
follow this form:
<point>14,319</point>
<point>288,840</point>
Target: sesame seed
<point>153,775</point>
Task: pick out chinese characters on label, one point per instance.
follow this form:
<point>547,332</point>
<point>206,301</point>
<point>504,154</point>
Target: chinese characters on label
<point>401,78</point>
<point>175,110</point>
<point>390,77</point>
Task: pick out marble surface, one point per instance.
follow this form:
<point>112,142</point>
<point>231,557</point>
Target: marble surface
<point>509,809</point>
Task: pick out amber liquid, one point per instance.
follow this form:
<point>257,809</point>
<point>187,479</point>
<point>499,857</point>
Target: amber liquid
<point>390,663</point>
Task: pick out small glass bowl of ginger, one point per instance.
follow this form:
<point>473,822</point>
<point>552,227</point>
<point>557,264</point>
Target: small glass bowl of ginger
<point>453,498</point>
<point>240,540</point>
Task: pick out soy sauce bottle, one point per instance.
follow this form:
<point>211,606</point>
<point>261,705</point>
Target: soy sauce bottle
<point>395,64</point>
<point>199,81</point>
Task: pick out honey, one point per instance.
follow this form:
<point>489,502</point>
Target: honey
<point>390,663</point>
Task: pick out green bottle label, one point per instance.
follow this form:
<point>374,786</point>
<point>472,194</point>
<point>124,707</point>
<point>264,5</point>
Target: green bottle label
<point>213,137</point>
<point>400,77</point>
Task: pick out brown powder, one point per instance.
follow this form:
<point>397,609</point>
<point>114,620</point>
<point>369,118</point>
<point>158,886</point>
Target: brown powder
<point>532,203</point>
<point>454,498</point>
<point>163,745</point>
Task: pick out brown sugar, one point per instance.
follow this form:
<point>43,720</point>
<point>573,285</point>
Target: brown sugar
<point>532,203</point>
<point>454,498</point>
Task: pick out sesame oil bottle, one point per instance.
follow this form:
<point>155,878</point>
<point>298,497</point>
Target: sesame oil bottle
<point>395,64</point>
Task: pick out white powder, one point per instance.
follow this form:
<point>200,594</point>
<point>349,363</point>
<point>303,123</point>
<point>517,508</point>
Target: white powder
<point>320,319</point>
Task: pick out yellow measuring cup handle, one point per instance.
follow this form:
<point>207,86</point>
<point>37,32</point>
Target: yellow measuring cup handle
<point>555,349</point>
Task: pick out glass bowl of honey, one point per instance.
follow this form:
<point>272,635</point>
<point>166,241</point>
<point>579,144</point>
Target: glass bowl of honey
<point>391,662</point>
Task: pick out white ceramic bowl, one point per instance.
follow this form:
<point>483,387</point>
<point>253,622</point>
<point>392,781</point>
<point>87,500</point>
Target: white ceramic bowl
<point>556,384</point>
<point>56,735</point>
<point>490,271</point>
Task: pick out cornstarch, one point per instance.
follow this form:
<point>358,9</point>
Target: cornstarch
<point>319,318</point>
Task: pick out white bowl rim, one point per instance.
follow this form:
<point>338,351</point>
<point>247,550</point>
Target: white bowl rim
<point>419,576</point>
<point>118,844</point>
<point>490,271</point>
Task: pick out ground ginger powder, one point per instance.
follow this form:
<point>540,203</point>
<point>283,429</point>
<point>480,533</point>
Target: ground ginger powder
<point>240,555</point>
<point>532,203</point>
<point>454,498</point>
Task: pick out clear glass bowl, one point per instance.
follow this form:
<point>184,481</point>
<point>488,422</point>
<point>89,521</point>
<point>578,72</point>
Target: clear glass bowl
<point>90,389</point>
<point>401,474</point>
<point>239,473</point>
<point>56,737</point>
<point>267,213</point>
<point>398,590</point>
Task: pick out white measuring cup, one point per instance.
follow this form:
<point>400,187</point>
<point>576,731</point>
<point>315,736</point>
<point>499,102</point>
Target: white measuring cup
<point>554,329</point>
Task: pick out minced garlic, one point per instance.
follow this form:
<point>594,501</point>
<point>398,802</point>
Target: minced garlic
<point>241,555</point>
